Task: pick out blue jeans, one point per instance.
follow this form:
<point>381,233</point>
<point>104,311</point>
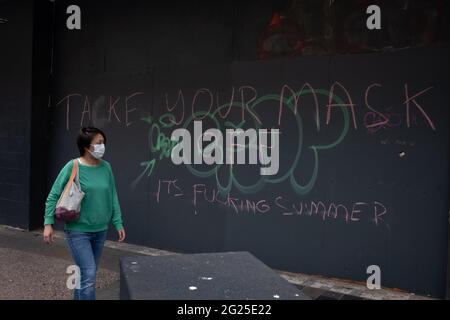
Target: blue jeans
<point>86,249</point>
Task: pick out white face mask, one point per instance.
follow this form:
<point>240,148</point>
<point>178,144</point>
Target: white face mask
<point>99,150</point>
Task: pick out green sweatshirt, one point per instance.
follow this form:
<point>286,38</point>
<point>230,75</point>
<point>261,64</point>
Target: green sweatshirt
<point>100,204</point>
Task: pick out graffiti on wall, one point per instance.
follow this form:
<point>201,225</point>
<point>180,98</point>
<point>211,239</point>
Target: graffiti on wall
<point>242,107</point>
<point>287,104</point>
<point>320,27</point>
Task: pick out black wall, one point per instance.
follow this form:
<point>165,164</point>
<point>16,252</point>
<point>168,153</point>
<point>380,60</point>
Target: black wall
<point>130,56</point>
<point>116,72</point>
<point>25,33</point>
<point>16,35</point>
<point>41,99</point>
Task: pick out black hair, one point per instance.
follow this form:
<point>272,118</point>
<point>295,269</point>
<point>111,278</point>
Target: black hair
<point>85,137</point>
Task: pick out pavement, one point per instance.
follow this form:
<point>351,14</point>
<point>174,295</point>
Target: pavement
<point>33,270</point>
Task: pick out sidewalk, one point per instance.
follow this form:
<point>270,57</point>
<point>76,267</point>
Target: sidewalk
<point>31,269</point>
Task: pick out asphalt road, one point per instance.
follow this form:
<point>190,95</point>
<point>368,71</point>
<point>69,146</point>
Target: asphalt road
<point>32,269</point>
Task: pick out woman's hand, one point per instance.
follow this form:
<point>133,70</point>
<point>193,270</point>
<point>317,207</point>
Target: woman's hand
<point>121,234</point>
<point>48,233</point>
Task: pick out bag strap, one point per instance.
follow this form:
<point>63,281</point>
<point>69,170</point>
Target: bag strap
<point>72,176</point>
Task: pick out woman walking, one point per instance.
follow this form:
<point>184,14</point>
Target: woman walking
<point>85,237</point>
